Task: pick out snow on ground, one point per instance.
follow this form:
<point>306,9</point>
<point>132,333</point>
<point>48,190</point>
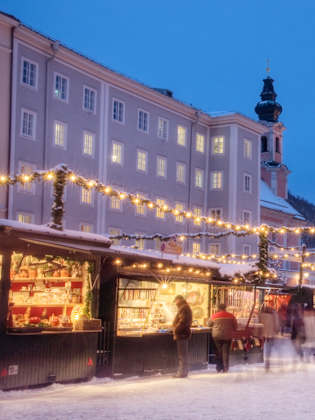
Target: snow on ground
<point>247,392</point>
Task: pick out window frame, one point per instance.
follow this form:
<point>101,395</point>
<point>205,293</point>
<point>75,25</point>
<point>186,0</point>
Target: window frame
<point>185,175</point>
<point>65,125</point>
<point>178,203</point>
<point>148,121</point>
<point>117,200</point>
<point>54,87</point>
<point>90,155</point>
<point>157,166</point>
<point>83,100</point>
<point>86,224</point>
<point>33,136</point>
<point>177,137</point>
<point>216,244</point>
<point>118,232</point>
<point>167,128</point>
<point>197,215</point>
<point>203,143</point>
<point>121,163</point>
<point>162,217</point>
<point>249,246</point>
<point>192,247</point>
<point>250,183</point>
<point>35,87</point>
<point>250,217</point>
<point>142,171</point>
<point>20,187</point>
<point>124,108</point>
<point>250,144</point>
<point>202,179</point>
<point>213,153</point>
<point>216,209</point>
<point>24,213</point>
<point>211,180</point>
<point>91,204</point>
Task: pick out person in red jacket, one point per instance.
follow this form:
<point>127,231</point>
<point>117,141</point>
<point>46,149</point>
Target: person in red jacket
<point>223,325</point>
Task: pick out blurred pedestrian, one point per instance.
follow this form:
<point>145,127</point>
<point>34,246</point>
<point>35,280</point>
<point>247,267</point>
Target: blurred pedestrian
<point>283,319</point>
<point>182,333</point>
<point>309,325</point>
<point>297,328</point>
<point>223,326</point>
<point>271,326</point>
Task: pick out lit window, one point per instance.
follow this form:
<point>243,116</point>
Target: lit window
<point>60,134</point>
<point>140,209</point>
<point>115,203</point>
<point>86,196</point>
<point>163,128</point>
<point>247,149</point>
<point>161,166</point>
<point>29,73</point>
<point>218,145</point>
<point>117,150</point>
<point>216,180</point>
<point>181,135</point>
<point>140,243</point>
<point>180,172</point>
<point>246,219</point>
<point>200,143</point>
<point>25,217</point>
<point>89,99</point>
<point>143,121</point>
<point>196,248</point>
<point>159,212</point>
<point>247,249</point>
<point>216,214</point>
<point>61,87</point>
<point>114,232</point>
<point>26,169</point>
<point>118,111</point>
<point>247,183</point>
<point>199,177</point>
<point>88,143</point>
<point>86,227</point>
<point>179,218</point>
<point>142,160</point>
<point>214,249</point>
<point>28,124</point>
<point>197,213</point>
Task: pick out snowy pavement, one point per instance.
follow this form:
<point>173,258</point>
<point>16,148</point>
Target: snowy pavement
<point>246,393</point>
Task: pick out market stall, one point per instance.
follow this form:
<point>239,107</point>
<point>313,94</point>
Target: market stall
<point>48,283</point>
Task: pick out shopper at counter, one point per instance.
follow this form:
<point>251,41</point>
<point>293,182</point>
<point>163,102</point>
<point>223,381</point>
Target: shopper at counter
<point>182,332</point>
<point>223,325</point>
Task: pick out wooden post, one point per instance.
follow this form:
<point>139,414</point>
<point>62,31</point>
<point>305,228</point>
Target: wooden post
<point>301,265</point>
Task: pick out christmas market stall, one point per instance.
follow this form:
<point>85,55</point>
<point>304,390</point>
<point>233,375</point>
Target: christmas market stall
<point>143,286</point>
<point>48,295</point>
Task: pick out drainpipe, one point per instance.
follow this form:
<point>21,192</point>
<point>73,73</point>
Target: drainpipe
<point>54,47</point>
<point>193,122</point>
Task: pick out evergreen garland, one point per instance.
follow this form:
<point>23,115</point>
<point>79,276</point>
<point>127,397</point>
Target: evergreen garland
<point>262,264</point>
<point>57,210</point>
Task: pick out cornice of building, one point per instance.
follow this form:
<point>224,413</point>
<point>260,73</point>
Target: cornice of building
<point>8,20</point>
<point>240,120</point>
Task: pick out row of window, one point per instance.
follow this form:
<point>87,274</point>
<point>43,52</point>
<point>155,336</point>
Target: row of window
<point>29,77</point>
<point>24,217</point>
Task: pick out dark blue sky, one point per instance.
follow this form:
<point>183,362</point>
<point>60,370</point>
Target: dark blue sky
<point>211,53</point>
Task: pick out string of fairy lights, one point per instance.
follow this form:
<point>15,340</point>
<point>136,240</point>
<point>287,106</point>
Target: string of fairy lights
<point>138,200</point>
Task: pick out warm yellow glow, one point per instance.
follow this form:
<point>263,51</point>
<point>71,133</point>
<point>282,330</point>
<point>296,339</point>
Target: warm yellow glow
<point>160,265</point>
<point>107,190</point>
<point>182,238</point>
<point>50,176</point>
<point>164,285</point>
<point>188,215</point>
<point>122,196</point>
<point>26,178</point>
<point>73,177</point>
<point>3,178</point>
<point>118,261</point>
<point>150,205</point>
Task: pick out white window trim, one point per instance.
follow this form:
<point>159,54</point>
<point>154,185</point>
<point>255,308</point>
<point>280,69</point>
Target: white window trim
<point>222,186</point>
<point>156,209</point>
<point>21,79</point>
<point>117,233</point>
<point>215,244</point>
<point>140,171</point>
<point>54,85</point>
<point>92,199</point>
<point>145,210</point>
<point>250,249</point>
<point>93,144</point>
<point>250,216</point>
<point>20,189</point>
<point>95,105</point>
<point>25,213</point>
<point>195,215</point>
<point>192,247</point>
<point>122,153</point>
<point>114,208</point>
<point>204,143</point>
<point>185,175</point>
<point>212,146</point>
<point>251,149</point>
<point>203,179</point>
<point>148,128</point>
<point>250,183</point>
<point>33,137</point>
<point>183,208</point>
<point>64,147</point>
<point>167,130</point>
<point>179,144</point>
<point>220,209</point>
<point>117,121</point>
<point>165,159</point>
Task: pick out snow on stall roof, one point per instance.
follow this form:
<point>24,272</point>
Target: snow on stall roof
<point>45,230</point>
<point>225,269</point>
<point>269,200</point>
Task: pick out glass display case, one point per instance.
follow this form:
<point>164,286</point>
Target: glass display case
<point>47,293</point>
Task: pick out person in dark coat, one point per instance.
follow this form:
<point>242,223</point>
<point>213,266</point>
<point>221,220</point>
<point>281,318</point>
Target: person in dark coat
<point>223,325</point>
<point>271,326</point>
<point>182,333</point>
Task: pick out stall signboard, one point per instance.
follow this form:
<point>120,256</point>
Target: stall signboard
<point>172,246</point>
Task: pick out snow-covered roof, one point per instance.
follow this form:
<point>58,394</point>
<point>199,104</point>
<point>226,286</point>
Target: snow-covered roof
<point>64,234</point>
<point>224,269</point>
<point>271,201</point>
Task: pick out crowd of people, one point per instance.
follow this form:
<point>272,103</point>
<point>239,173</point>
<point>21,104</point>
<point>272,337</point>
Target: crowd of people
<point>295,321</point>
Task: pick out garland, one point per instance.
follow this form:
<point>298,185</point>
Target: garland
<point>57,210</point>
<point>181,236</point>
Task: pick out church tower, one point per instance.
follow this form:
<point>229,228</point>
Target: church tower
<point>273,171</point>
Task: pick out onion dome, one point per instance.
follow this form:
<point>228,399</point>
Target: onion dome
<point>268,109</point>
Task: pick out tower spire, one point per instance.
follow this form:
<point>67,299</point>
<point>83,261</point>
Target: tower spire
<point>268,109</point>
